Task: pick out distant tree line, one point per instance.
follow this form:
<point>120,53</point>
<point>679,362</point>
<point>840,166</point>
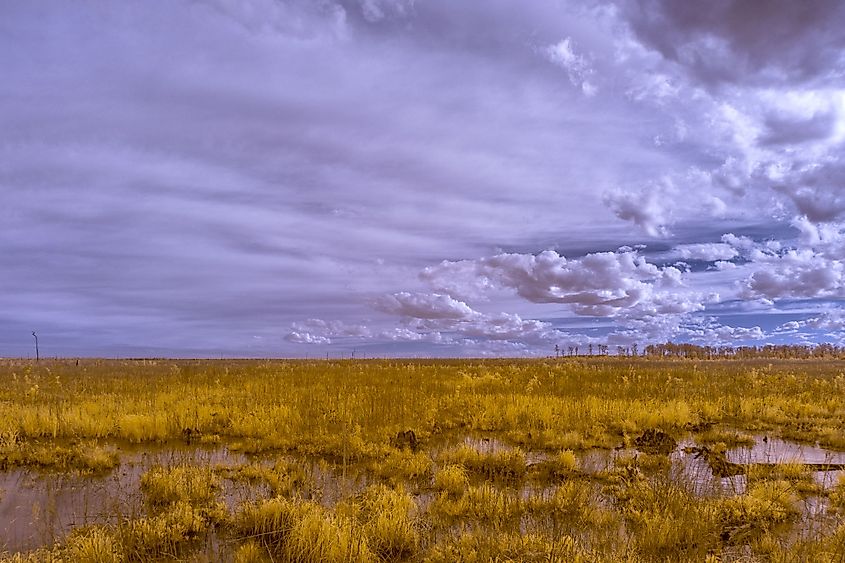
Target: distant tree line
<point>798,351</point>
<point>693,351</point>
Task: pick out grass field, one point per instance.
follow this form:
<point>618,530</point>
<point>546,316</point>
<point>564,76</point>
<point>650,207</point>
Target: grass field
<point>578,459</point>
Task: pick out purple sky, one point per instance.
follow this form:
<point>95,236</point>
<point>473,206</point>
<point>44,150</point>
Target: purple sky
<point>419,177</point>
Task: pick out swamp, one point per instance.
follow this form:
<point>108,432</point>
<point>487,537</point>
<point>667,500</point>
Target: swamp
<point>571,459</point>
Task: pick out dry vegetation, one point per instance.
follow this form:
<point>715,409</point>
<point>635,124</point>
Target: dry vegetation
<point>434,460</point>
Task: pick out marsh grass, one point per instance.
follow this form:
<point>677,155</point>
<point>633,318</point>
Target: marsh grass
<point>84,457</point>
<point>499,468</point>
<point>301,531</point>
<point>282,478</point>
<point>505,464</point>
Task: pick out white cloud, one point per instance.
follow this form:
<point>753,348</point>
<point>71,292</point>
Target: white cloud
<point>708,252</point>
<point>832,320</point>
<point>427,314</point>
<point>743,243</point>
<point>425,306</point>
<point>598,284</point>
<point>505,326</point>
<point>319,331</point>
<point>645,208</point>
<point>577,66</point>
<point>801,274</point>
<point>401,334</point>
<point>656,87</point>
<point>709,331</point>
<point>298,337</point>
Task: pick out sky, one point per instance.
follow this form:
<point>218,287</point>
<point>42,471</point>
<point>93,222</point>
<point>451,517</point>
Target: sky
<point>273,178</point>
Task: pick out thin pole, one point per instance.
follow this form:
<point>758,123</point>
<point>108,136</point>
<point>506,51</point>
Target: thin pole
<point>37,356</point>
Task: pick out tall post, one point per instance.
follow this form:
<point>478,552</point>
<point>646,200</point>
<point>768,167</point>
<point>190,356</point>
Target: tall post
<point>37,356</point>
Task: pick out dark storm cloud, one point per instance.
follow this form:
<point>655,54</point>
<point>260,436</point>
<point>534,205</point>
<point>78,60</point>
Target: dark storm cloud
<point>761,41</point>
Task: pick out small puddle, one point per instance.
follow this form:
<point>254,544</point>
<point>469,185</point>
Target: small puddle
<point>775,450</point>
<point>487,444</point>
<point>770,450</point>
<point>38,508</point>
<point>765,451</point>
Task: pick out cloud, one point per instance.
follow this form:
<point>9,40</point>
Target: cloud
<point>741,41</point>
<point>434,319</point>
<point>511,327</point>
<point>401,334</point>
<point>576,65</point>
<point>297,337</point>
<point>708,252</point>
<point>829,320</point>
<point>225,169</point>
<point>818,201</point>
<point>319,331</point>
<point>646,208</point>
<point>425,306</point>
<point>664,202</point>
<point>794,274</point>
<point>598,284</point>
<point>375,11</point>
<point>741,243</point>
<point>709,331</point>
<point>440,314</point>
<point>791,129</point>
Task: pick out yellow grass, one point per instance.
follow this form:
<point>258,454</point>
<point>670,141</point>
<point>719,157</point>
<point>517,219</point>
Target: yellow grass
<point>497,468</point>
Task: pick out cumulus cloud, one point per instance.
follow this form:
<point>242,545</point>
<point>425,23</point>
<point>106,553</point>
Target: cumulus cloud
<point>298,337</point>
<point>598,284</point>
<point>709,331</point>
<point>741,243</point>
<point>831,321</point>
<point>796,274</point>
<point>647,208</point>
<point>430,318</point>
<point>473,325</point>
<point>403,334</point>
<point>319,331</point>
<point>509,326</point>
<point>662,203</point>
<point>809,267</point>
<point>816,203</point>
<point>708,252</point>
<point>425,306</point>
<point>828,320</point>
